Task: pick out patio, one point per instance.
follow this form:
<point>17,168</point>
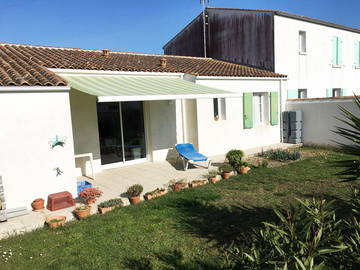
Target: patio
<point>114,182</point>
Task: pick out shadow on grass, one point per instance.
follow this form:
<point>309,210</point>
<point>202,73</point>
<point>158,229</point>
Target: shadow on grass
<point>219,224</point>
<point>170,260</point>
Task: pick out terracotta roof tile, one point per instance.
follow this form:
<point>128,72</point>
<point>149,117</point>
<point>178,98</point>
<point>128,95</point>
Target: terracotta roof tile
<point>26,65</point>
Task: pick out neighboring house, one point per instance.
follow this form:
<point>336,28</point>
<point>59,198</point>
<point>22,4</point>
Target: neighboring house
<point>321,59</point>
<point>122,108</point>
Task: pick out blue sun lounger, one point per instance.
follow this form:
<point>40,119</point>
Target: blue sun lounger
<point>188,154</point>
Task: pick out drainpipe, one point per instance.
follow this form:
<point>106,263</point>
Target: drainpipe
<point>281,117</point>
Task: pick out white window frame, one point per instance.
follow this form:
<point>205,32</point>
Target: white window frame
<point>302,93</point>
<point>302,42</point>
<point>221,109</point>
<point>261,109</point>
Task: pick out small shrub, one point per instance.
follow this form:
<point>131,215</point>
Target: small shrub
<point>263,164</point>
<point>212,173</point>
<point>134,190</point>
<point>111,203</point>
<point>281,155</point>
<point>82,207</point>
<point>226,168</point>
<point>235,158</point>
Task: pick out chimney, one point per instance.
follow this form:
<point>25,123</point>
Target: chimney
<point>105,52</point>
<point>163,62</point>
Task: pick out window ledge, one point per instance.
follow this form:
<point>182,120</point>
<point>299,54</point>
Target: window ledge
<point>336,66</point>
<point>302,53</point>
<point>357,67</point>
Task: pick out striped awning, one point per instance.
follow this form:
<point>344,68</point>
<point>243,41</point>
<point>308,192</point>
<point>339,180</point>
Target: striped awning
<point>135,88</point>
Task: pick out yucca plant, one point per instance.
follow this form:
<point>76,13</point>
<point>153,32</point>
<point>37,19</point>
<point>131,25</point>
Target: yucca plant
<point>351,132</point>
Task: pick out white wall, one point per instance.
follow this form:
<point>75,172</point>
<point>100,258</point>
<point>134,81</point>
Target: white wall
<point>319,119</point>
<point>217,137</point>
<point>28,123</point>
<point>162,128</point>
<point>314,70</point>
<point>85,130</point>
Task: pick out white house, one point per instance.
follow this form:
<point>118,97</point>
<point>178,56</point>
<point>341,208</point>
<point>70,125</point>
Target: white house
<point>57,104</point>
<point>321,59</point>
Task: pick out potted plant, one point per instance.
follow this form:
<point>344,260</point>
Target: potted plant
<point>109,205</point>
<point>226,170</point>
<point>178,185</point>
<point>90,194</point>
<point>212,176</point>
<point>244,168</point>
<point>234,158</point>
<point>82,211</point>
<point>197,183</point>
<point>55,221</point>
<point>154,194</point>
<point>134,192</point>
<point>38,204</point>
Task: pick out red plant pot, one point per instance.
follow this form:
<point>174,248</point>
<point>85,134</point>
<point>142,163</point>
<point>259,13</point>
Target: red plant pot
<point>226,175</point>
<point>134,200</point>
<point>38,204</point>
<point>244,169</point>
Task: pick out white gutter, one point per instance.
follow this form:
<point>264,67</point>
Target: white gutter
<point>241,78</point>
<point>33,89</point>
<point>80,72</point>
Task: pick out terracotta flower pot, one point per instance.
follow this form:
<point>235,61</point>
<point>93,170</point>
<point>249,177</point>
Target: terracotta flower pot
<point>105,209</point>
<point>226,175</point>
<point>213,179</point>
<point>197,183</point>
<point>38,204</point>
<point>81,214</point>
<point>177,187</point>
<point>56,221</point>
<point>134,200</point>
<point>244,169</point>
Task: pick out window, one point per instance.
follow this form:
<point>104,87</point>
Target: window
<point>357,54</point>
<point>258,109</point>
<point>336,92</point>
<point>336,52</point>
<point>302,41</point>
<point>302,93</point>
<point>219,108</point>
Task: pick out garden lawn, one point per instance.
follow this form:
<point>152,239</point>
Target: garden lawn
<point>185,230</point>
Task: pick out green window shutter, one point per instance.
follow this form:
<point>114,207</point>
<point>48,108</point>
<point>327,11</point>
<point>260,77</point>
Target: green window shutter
<point>292,93</point>
<point>248,110</point>
<point>357,54</point>
<point>334,51</point>
<point>343,92</point>
<point>329,92</point>
<point>339,51</point>
<point>274,108</point>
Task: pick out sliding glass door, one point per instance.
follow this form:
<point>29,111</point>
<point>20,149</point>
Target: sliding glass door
<point>121,131</point>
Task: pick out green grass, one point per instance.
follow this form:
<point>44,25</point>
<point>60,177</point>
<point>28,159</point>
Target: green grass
<point>185,230</point>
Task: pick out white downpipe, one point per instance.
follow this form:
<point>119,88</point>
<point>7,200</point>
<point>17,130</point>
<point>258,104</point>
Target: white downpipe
<point>183,121</point>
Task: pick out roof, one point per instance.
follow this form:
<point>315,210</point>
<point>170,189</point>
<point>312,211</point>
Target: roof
<point>27,65</point>
<point>297,17</point>
<point>275,12</point>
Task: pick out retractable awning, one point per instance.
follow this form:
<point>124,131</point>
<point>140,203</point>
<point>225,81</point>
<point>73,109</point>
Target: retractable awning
<point>135,88</point>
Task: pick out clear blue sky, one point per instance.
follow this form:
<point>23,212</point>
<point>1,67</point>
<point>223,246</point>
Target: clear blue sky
<point>140,26</point>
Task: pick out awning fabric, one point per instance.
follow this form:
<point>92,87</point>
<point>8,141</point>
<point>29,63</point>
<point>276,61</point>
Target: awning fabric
<point>134,88</point>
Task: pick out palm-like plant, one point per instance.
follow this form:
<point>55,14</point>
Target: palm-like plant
<point>351,132</point>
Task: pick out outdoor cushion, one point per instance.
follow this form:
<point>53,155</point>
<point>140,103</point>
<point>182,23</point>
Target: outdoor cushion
<point>187,151</point>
